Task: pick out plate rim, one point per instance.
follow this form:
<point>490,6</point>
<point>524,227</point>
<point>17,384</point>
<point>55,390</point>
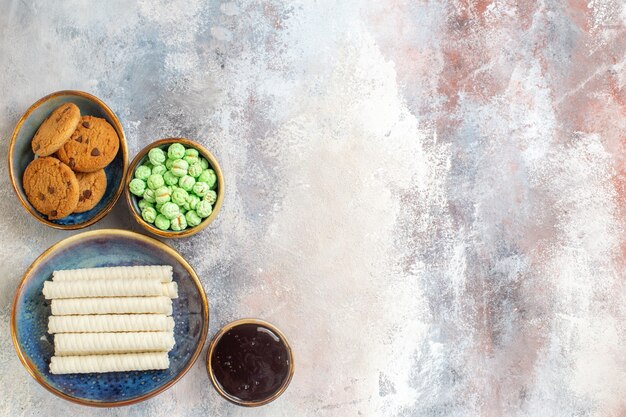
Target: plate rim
<point>118,232</point>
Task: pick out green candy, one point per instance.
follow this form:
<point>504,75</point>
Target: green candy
<point>204,209</point>
<point>162,222</point>
<point>209,177</point>
<point>142,172</point>
<point>170,179</point>
<point>137,187</point>
<point>187,182</point>
<point>191,159</point>
<point>156,156</point>
<point>149,214</point>
<point>192,152</point>
<point>169,162</point>
<point>179,168</point>
<point>192,202</point>
<point>159,170</point>
<point>176,151</point>
<point>148,195</point>
<point>158,206</point>
<point>170,210</point>
<point>192,218</point>
<point>204,163</point>
<point>211,197</point>
<point>162,195</point>
<point>195,169</point>
<point>179,196</point>
<point>201,188</point>
<point>155,181</point>
<point>143,204</point>
<point>179,223</point>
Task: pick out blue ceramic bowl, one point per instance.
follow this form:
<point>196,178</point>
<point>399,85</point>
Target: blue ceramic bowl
<point>21,154</point>
<point>109,247</point>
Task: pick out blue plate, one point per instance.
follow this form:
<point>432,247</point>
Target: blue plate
<point>109,247</point>
<point>21,154</point>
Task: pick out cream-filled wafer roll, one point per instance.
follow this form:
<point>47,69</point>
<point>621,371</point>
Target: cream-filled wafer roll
<point>161,272</point>
<point>110,323</point>
<point>108,288</point>
<point>114,305</point>
<point>109,363</point>
<point>75,344</point>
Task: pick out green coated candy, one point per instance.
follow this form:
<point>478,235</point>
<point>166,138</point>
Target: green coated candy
<point>204,209</point>
<point>148,195</point>
<point>204,163</point>
<point>162,222</point>
<point>209,177</point>
<point>142,172</point>
<point>192,152</point>
<point>176,151</point>
<point>179,168</point>
<point>179,223</point>
<point>169,162</point>
<point>149,214</point>
<point>195,169</point>
<point>143,204</point>
<point>201,188</point>
<point>192,202</point>
<point>159,170</point>
<point>211,197</point>
<point>187,182</point>
<point>137,187</point>
<point>155,181</point>
<point>192,218</point>
<point>156,156</point>
<point>170,210</point>
<point>191,159</point>
<point>169,178</point>
<point>162,195</point>
<point>158,206</point>
<point>179,196</point>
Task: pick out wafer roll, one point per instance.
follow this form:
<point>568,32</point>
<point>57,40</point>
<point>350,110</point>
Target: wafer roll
<point>110,323</point>
<point>161,272</point>
<point>108,288</point>
<point>109,363</point>
<point>115,305</point>
<point>75,344</point>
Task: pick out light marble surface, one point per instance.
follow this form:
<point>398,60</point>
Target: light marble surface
<point>428,198</point>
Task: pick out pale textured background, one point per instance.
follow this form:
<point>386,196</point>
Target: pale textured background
<point>427,197</point>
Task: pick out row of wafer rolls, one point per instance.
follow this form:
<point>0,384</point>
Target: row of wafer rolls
<point>162,272</point>
<point>109,288</point>
<point>111,319</point>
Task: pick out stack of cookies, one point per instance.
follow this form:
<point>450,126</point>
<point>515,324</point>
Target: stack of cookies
<point>67,175</point>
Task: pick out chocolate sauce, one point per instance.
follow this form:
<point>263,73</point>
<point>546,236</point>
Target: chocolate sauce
<point>250,362</point>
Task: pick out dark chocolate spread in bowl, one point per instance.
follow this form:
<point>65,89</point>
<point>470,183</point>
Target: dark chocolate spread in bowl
<point>250,362</point>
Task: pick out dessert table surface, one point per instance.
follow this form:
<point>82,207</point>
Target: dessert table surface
<point>427,197</point>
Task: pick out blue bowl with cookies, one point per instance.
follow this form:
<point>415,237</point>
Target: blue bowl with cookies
<point>68,160</point>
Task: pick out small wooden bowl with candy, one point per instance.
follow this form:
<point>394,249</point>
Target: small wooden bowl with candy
<point>174,187</point>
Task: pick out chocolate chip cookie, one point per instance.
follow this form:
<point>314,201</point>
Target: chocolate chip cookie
<point>56,130</point>
<point>51,187</point>
<point>92,146</point>
<point>91,188</point>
